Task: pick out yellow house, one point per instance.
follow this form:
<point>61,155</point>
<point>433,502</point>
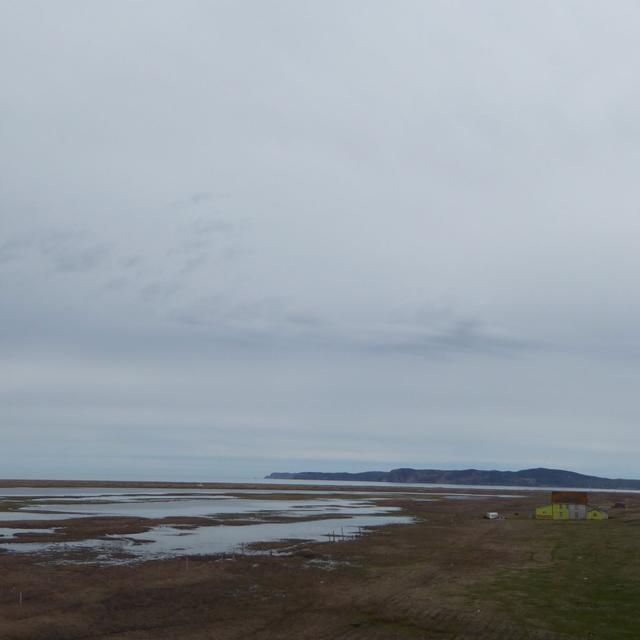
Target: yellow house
<point>569,505</point>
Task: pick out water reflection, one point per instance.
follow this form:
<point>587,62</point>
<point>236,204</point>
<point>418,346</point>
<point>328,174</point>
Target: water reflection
<point>10,533</point>
<point>305,518</point>
<point>189,506</point>
<point>170,541</point>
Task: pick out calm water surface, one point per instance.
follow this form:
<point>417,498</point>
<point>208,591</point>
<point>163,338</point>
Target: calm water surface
<point>332,516</point>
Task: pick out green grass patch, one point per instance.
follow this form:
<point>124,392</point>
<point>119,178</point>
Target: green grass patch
<point>590,588</point>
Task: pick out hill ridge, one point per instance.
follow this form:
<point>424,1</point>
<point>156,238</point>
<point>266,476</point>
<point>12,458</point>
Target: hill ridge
<point>534,477</point>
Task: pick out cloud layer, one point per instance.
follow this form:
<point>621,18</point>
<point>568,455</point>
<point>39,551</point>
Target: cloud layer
<point>244,237</point>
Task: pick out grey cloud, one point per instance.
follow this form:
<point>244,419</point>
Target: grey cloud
<point>197,261</point>
<point>62,249</point>
<point>159,290</point>
<point>197,198</point>
<point>463,336</point>
<point>208,226</point>
<point>205,238</point>
<point>279,320</point>
<point>257,315</point>
<point>78,258</point>
<point>343,218</point>
<point>115,284</point>
<point>14,249</point>
<point>131,262</point>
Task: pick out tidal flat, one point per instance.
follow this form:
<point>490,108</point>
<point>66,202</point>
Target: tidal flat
<point>181,523</point>
<point>230,561</point>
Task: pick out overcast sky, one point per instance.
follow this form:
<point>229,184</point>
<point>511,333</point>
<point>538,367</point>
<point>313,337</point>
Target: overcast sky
<point>241,236</point>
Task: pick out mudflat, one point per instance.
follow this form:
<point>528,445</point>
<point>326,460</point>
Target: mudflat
<point>449,574</point>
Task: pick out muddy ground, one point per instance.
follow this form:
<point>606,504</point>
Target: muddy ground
<point>452,574</point>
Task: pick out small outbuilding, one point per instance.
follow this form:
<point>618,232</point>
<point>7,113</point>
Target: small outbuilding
<point>570,505</point>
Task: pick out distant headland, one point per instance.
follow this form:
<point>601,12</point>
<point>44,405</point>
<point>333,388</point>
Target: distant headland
<point>539,477</point>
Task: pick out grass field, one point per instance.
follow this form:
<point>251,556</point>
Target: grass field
<point>590,587</point>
